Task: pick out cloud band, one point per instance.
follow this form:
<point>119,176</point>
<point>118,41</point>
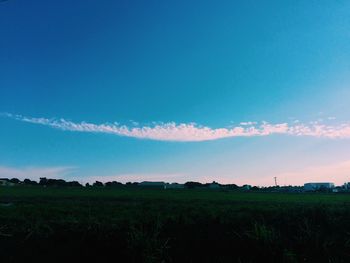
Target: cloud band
<point>192,132</point>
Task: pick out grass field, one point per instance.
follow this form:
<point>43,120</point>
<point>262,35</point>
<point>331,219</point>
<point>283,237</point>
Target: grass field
<point>154,225</point>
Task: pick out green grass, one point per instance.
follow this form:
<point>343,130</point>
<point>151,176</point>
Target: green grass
<point>135,193</point>
<point>156,225</point>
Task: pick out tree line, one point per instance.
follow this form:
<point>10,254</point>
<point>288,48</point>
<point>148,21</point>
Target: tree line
<point>49,182</point>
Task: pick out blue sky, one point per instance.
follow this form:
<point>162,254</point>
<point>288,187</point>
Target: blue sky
<point>167,87</point>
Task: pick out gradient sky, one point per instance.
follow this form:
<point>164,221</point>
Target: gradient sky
<point>236,91</point>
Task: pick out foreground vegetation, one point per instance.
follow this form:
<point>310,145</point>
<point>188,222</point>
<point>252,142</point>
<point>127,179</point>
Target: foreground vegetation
<point>131,224</point>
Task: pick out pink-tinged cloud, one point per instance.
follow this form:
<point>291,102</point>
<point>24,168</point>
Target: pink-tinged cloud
<point>191,132</point>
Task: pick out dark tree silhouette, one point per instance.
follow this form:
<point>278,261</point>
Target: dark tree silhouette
<point>97,184</point>
<point>29,182</point>
<point>113,184</point>
<point>192,185</point>
<point>15,181</point>
<point>74,184</point>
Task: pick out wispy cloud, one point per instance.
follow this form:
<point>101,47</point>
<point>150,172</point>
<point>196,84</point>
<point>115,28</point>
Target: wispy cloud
<point>34,173</point>
<point>187,132</point>
<point>248,123</point>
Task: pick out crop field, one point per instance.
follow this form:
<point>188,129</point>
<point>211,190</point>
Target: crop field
<point>131,224</point>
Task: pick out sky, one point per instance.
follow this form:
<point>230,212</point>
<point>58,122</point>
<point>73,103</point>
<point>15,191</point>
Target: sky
<point>232,91</point>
